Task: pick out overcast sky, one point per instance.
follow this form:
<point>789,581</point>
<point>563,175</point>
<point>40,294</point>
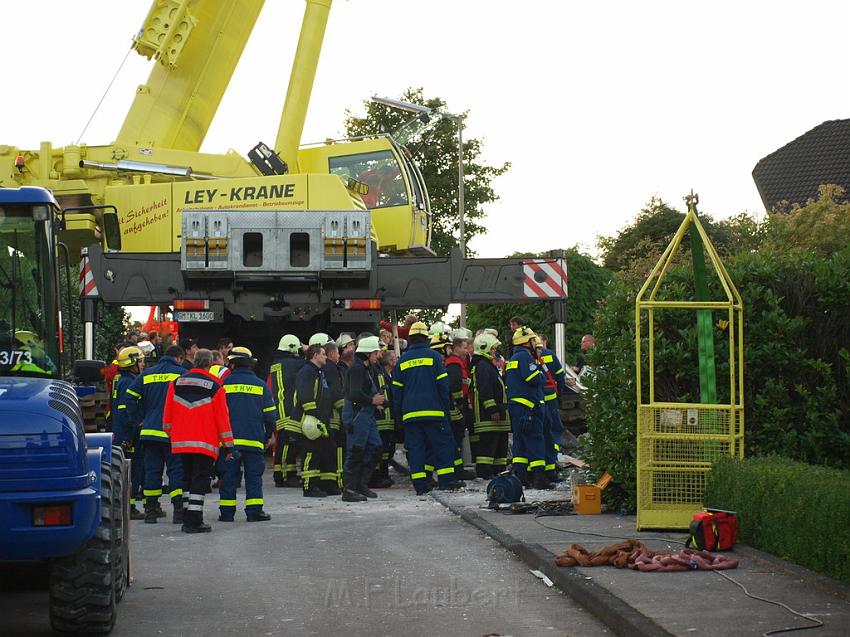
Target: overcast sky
<point>597,105</point>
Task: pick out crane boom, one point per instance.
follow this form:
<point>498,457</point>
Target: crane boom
<point>197,44</point>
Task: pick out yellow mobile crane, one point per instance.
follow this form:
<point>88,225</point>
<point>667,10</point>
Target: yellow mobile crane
<point>329,233</point>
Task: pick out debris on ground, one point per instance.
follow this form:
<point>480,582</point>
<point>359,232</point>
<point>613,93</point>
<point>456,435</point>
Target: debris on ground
<point>636,555</point>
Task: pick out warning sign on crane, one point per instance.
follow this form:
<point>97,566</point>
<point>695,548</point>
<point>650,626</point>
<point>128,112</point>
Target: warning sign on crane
<point>544,278</point>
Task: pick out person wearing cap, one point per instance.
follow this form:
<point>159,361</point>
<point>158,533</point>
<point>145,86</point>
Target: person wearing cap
<point>252,419</point>
<point>130,362</point>
<point>145,403</point>
<point>524,382</point>
<point>364,443</point>
<point>421,393</point>
<point>489,409</point>
<point>313,411</point>
<point>286,362</point>
<point>189,347</point>
<point>198,420</point>
<point>336,397</point>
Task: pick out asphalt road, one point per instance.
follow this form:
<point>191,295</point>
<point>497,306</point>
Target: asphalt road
<point>399,565</point>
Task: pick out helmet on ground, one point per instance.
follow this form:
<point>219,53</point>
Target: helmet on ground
<point>484,343</point>
<point>128,357</point>
<point>320,338</point>
<point>289,343</point>
<point>368,345</point>
<point>343,340</point>
<point>523,335</point>
<point>313,428</point>
<point>418,329</point>
<point>240,353</point>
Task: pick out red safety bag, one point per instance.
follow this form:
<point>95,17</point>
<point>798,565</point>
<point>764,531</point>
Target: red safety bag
<point>713,531</point>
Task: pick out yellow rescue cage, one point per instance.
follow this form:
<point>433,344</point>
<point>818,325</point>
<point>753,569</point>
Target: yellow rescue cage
<point>677,442</point>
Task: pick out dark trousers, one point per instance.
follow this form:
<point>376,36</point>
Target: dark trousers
<point>387,451</point>
<point>253,465</point>
<point>529,449</point>
<point>363,434</point>
<point>458,433</point>
<point>137,474</point>
<point>434,436</point>
<point>196,482</point>
<point>285,453</point>
<point>320,462</point>
<point>158,456</point>
<point>491,453</point>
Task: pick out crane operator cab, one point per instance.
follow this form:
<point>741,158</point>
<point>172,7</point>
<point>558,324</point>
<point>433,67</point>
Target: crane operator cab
<point>29,316</point>
<point>389,183</point>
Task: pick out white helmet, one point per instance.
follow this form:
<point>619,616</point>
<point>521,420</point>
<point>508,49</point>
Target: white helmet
<point>313,428</point>
<point>289,343</point>
<point>368,345</point>
<point>461,332</point>
<point>320,338</point>
<point>343,340</point>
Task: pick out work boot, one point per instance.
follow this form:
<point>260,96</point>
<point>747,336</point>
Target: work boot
<point>179,511</point>
<point>194,523</point>
<point>541,482</point>
<point>225,518</point>
<point>135,514</point>
<point>151,511</point>
<point>260,516</point>
<point>362,485</point>
<point>278,479</point>
<point>349,491</point>
<point>292,482</point>
<point>454,485</point>
<point>159,512</point>
<point>330,487</point>
<point>485,472</point>
<point>314,492</point>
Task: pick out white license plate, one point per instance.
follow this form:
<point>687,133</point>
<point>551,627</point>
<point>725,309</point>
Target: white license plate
<point>194,317</point>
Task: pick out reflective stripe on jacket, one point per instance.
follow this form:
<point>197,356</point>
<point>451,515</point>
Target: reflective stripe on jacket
<point>146,398</point>
<point>421,385</point>
<point>524,379</point>
<point>281,382</point>
<point>196,414</point>
<point>488,396</point>
<point>252,409</point>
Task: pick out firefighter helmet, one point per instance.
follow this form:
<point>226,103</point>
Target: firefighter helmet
<point>523,335</point>
<point>419,329</point>
<point>484,343</point>
<point>289,343</point>
<point>313,428</point>
<point>128,357</point>
<point>343,340</point>
<point>320,338</point>
<point>368,345</point>
<point>240,353</point>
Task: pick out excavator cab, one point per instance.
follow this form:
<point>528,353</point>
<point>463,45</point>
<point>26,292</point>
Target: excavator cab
<point>394,190</point>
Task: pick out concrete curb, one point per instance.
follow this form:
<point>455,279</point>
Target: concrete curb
<point>620,617</point>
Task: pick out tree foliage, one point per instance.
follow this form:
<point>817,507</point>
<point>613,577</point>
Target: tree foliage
<point>795,285</point>
<point>436,154</point>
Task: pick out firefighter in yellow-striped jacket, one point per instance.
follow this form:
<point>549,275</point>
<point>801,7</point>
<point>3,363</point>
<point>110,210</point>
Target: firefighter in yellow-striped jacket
<point>252,419</point>
<point>286,362</point>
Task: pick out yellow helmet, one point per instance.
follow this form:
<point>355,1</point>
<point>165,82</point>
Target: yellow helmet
<point>240,353</point>
<point>418,329</point>
<point>438,341</point>
<point>523,335</point>
<point>128,357</point>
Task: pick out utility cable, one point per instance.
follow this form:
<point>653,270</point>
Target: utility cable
<point>103,97</point>
<point>817,622</point>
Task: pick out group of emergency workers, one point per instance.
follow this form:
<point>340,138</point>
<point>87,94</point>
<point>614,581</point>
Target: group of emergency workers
<point>336,409</point>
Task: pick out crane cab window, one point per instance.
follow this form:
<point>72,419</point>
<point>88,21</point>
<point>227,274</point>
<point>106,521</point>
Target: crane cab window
<point>378,170</point>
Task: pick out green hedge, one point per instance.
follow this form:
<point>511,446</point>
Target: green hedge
<point>796,511</point>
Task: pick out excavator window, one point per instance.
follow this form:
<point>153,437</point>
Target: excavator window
<point>378,170</point>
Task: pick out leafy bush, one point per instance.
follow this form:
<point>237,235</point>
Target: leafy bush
<point>796,511</point>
